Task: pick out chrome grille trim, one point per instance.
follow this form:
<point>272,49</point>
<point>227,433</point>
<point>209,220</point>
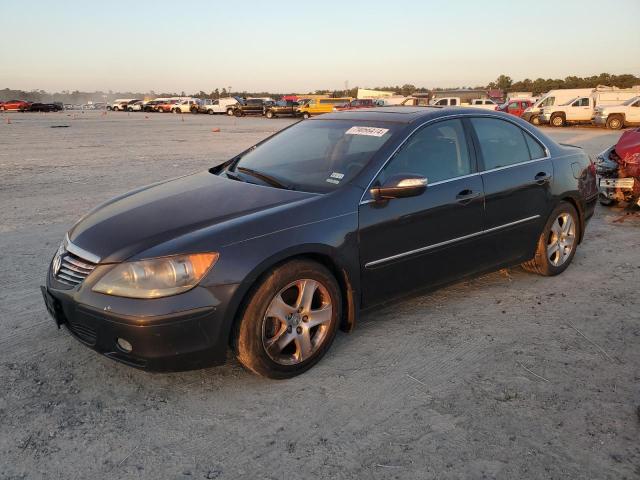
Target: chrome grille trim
<point>75,264</point>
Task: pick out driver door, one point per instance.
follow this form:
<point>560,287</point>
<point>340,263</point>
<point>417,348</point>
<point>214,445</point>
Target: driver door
<point>429,239</point>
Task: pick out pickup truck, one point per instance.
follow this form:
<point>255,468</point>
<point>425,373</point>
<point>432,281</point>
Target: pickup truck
<point>250,106</point>
<point>515,107</point>
<point>282,108</point>
<point>617,116</point>
<point>357,104</point>
<point>583,109</point>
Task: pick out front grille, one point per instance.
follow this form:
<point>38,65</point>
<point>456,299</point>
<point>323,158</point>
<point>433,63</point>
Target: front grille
<point>73,269</point>
<point>86,334</point>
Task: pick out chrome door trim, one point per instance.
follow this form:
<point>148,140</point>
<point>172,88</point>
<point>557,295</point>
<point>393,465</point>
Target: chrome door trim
<point>447,242</point>
<point>449,117</point>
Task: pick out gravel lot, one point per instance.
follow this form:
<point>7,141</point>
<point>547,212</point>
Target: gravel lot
<point>509,375</point>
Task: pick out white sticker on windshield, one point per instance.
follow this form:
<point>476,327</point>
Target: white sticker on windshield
<point>333,180</point>
<point>369,131</point>
<point>337,175</point>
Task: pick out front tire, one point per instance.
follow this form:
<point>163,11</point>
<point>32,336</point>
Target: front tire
<point>230,112</point>
<point>290,320</point>
<point>557,243</point>
<point>535,120</point>
<point>269,114</point>
<point>557,120</point>
<point>615,122</point>
<point>305,115</point>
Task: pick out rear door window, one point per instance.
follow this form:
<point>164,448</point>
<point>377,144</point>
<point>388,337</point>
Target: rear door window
<point>501,143</point>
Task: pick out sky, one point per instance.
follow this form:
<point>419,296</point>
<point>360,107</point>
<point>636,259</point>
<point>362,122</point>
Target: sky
<point>300,46</point>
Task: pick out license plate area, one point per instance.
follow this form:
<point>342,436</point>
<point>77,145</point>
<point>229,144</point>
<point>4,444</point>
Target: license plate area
<point>53,307</point>
<point>623,183</point>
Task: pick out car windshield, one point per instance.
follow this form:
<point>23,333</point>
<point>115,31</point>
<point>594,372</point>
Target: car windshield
<point>314,155</point>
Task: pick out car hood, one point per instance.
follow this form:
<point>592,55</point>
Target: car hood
<point>140,219</point>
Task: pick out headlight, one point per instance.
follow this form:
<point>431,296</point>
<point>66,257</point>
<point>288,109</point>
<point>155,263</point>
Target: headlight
<point>156,277</point>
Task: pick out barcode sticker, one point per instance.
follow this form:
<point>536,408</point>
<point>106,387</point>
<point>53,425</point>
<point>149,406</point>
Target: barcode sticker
<point>369,131</point>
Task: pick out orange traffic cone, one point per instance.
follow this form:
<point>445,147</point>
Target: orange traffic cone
<point>215,130</point>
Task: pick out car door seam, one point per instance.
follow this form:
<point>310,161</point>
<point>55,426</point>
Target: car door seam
<point>448,242</point>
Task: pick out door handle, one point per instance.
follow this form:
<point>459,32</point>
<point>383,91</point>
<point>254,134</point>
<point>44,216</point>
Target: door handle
<point>466,195</point>
<point>542,178</point>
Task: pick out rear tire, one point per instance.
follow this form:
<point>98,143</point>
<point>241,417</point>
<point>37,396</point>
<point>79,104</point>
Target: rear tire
<point>557,120</point>
<point>238,113</point>
<point>557,243</point>
<point>615,122</point>
<point>230,112</point>
<point>269,114</point>
<point>290,340</point>
<point>210,112</point>
<point>305,115</point>
<point>535,120</point>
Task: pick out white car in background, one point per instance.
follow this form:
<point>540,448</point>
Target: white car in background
<point>186,106</point>
<point>217,105</point>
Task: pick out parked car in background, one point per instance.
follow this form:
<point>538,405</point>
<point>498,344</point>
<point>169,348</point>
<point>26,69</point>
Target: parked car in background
<point>151,105</point>
<point>217,105</point>
<point>120,104</point>
<point>550,99</point>
<point>166,106</point>
<point>186,106</point>
<point>617,116</point>
<point>415,102</point>
<point>135,106</point>
<point>15,106</point>
<point>582,109</point>
<point>249,106</point>
<point>446,102</point>
<point>318,106</point>
<point>483,103</point>
<point>282,108</point>
<point>45,107</point>
<point>356,104</point>
<point>515,107</point>
<point>274,250</point>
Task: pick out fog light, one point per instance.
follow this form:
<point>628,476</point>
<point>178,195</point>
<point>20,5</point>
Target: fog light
<point>124,345</point>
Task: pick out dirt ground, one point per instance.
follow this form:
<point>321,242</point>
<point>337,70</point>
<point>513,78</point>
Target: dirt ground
<point>506,376</point>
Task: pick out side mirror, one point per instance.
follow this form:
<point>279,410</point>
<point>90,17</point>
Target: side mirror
<point>400,186</point>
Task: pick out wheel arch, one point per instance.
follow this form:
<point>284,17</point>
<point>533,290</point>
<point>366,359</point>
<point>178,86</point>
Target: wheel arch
<point>321,254</point>
<point>576,204</point>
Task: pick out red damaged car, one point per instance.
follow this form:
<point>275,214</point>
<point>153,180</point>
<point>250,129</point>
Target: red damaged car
<point>515,107</point>
<point>15,106</point>
<point>618,169</point>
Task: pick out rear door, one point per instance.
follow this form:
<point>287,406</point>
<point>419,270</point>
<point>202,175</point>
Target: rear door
<point>517,176</point>
<point>406,243</point>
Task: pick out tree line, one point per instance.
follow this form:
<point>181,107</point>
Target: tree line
<point>503,82</point>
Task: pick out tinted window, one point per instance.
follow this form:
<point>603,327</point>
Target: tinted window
<point>453,101</point>
<point>535,149</point>
<point>501,142</point>
<point>437,152</point>
<point>441,102</point>
<point>317,156</point>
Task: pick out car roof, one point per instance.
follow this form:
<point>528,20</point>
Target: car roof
<point>399,114</point>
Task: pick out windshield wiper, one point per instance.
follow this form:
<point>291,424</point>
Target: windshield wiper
<point>263,176</point>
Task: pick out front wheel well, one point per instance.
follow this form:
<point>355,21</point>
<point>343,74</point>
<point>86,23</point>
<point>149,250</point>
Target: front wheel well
<point>348,320</point>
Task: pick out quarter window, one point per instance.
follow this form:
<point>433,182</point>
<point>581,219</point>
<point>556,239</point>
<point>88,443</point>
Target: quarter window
<point>501,142</point>
<point>437,152</point>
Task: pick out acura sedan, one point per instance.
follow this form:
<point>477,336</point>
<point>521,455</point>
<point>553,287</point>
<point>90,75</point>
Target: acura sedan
<point>273,251</point>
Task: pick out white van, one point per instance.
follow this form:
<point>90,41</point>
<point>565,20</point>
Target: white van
<point>218,105</point>
<point>551,98</point>
<point>583,109</point>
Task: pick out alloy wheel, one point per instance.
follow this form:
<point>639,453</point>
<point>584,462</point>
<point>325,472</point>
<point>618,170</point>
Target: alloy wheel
<point>296,322</point>
<point>562,239</point>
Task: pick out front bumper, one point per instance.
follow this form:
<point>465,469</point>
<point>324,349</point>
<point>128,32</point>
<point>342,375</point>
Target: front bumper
<point>544,117</point>
<point>600,120</point>
<point>182,332</point>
